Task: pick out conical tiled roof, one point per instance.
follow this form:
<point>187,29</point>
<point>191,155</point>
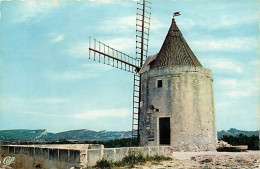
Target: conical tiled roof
<point>175,51</point>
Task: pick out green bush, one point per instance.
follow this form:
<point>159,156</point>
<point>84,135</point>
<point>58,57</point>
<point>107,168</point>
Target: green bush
<point>104,164</point>
<point>131,160</point>
<point>158,158</point>
<point>124,142</point>
<point>251,141</point>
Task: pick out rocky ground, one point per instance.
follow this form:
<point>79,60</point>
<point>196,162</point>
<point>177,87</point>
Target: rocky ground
<point>250,159</point>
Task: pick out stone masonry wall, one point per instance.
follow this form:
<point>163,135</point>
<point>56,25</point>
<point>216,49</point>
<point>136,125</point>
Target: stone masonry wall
<point>85,157</point>
<point>187,98</point>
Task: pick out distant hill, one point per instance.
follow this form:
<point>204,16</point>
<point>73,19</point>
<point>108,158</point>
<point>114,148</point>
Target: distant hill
<point>43,135</point>
<point>22,134</point>
<point>87,135</point>
<point>235,132</point>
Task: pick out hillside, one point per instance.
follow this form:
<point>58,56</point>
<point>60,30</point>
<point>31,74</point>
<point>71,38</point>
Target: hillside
<point>22,134</point>
<point>43,135</point>
<point>235,132</point>
<point>89,135</point>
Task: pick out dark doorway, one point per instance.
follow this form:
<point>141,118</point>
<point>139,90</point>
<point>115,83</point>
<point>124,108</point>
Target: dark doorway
<point>164,130</point>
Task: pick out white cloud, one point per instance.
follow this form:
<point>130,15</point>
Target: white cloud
<point>32,8</point>
<point>105,1</point>
<point>11,103</point>
<point>256,65</point>
<point>157,24</point>
<point>223,104</point>
<point>95,114</point>
<point>121,24</point>
<point>89,115</point>
<point>35,113</point>
<point>79,50</point>
<point>228,44</point>
<point>122,44</point>
<point>109,1</point>
<point>186,23</point>
<point>51,100</point>
<point>71,75</point>
<point>90,70</point>
<point>235,88</point>
<point>97,66</point>
<point>222,65</point>
<point>127,24</point>
<point>57,38</point>
<point>216,22</point>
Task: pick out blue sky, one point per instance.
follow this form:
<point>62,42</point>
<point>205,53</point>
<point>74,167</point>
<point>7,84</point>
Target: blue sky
<point>48,82</point>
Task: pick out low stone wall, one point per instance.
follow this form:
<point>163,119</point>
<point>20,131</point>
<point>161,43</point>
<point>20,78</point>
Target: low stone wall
<point>69,153</point>
<point>63,146</point>
<point>84,155</point>
<point>117,154</point>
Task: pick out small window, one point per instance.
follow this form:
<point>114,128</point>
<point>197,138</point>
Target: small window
<point>159,83</point>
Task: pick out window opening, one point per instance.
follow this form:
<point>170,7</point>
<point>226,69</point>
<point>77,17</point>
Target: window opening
<point>159,83</point>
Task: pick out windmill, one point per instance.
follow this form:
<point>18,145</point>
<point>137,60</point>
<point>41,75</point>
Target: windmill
<point>105,54</point>
<point>173,96</point>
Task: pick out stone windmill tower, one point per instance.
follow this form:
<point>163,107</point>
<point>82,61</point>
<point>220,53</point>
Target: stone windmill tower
<point>173,100</point>
<point>177,102</point>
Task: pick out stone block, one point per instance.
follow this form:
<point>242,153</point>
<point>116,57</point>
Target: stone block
<point>93,155</point>
<point>63,155</point>
<point>83,158</point>
<point>168,151</point>
<point>5,148</point>
<point>11,150</point>
<point>139,150</point>
<point>74,156</point>
<point>154,150</point>
<point>53,154</point>
<point>31,151</point>
<point>18,150</point>
<point>38,152</point>
<point>109,154</point>
<point>25,150</point>
<point>120,153</point>
<point>45,153</point>
<point>161,150</point>
<point>95,146</point>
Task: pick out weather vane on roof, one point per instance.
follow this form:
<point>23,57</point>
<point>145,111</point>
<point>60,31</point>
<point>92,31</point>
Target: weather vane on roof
<point>176,13</point>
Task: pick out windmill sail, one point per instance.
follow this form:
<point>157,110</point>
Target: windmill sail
<point>143,18</point>
<point>105,54</point>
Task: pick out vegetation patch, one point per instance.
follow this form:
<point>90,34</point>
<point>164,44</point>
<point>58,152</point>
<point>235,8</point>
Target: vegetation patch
<point>241,139</point>
<point>130,161</point>
<point>122,142</point>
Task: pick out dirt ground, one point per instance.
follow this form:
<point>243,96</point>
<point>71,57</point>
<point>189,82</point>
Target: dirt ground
<point>250,159</point>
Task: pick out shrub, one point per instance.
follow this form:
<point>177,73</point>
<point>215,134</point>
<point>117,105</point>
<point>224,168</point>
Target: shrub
<point>158,158</point>
<point>241,139</point>
<point>104,164</point>
<point>131,160</point>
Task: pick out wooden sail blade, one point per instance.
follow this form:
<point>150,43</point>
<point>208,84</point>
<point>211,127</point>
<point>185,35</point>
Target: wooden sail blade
<point>105,54</point>
<point>143,19</point>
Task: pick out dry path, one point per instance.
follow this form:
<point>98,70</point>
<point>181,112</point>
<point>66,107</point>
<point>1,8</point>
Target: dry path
<point>250,159</point>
